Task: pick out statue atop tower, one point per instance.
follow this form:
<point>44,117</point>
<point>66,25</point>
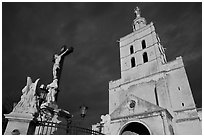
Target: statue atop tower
<point>137,12</point>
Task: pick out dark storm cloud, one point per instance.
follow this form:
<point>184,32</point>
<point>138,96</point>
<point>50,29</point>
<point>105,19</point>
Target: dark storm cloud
<point>33,32</point>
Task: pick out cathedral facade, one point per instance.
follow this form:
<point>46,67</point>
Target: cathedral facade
<point>153,96</point>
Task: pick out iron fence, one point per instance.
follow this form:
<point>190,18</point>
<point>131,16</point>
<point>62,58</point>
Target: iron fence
<point>51,128</point>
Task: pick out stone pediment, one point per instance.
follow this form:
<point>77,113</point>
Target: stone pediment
<point>134,105</point>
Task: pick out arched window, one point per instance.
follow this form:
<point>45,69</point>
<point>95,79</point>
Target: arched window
<point>131,49</point>
<point>145,57</point>
<point>132,62</point>
<point>143,44</point>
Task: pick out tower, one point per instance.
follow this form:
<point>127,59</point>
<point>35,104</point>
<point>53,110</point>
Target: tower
<point>152,96</point>
<point>141,53</point>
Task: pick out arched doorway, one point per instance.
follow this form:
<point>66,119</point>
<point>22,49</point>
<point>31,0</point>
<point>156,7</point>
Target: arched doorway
<point>134,128</point>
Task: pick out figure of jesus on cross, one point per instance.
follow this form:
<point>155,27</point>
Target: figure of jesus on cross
<point>58,61</point>
<point>52,88</point>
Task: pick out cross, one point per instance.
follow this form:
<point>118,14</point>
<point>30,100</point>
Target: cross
<point>58,61</point>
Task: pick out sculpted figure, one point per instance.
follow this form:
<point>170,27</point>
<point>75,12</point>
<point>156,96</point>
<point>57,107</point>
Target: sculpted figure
<point>137,12</point>
<point>52,88</point>
<point>28,102</point>
<point>106,120</point>
<point>57,60</point>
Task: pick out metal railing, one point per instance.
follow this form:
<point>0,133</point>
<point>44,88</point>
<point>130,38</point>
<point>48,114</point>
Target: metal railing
<point>51,128</point>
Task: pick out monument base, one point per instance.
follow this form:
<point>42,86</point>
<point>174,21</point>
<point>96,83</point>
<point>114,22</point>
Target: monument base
<point>20,124</point>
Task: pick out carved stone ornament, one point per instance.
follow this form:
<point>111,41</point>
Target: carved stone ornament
<point>28,102</point>
<point>106,120</point>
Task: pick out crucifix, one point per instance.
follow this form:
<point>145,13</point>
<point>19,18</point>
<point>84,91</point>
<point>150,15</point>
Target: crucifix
<point>53,88</point>
<point>58,61</point>
<point>57,69</point>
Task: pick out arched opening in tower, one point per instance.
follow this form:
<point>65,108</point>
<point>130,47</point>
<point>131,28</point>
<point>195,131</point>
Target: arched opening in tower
<point>143,44</point>
<point>135,128</point>
<point>131,49</point>
<point>132,62</point>
<point>145,57</point>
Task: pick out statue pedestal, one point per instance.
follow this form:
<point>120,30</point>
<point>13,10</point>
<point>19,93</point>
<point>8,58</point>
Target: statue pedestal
<point>20,123</point>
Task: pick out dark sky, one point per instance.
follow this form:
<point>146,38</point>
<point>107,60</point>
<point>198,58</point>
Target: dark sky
<point>33,32</point>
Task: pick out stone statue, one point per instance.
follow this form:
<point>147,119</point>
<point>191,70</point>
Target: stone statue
<point>106,121</point>
<point>137,12</point>
<point>57,60</point>
<point>28,102</point>
<point>52,88</point>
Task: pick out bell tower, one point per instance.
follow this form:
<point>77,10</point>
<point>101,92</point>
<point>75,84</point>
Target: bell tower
<point>141,53</point>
